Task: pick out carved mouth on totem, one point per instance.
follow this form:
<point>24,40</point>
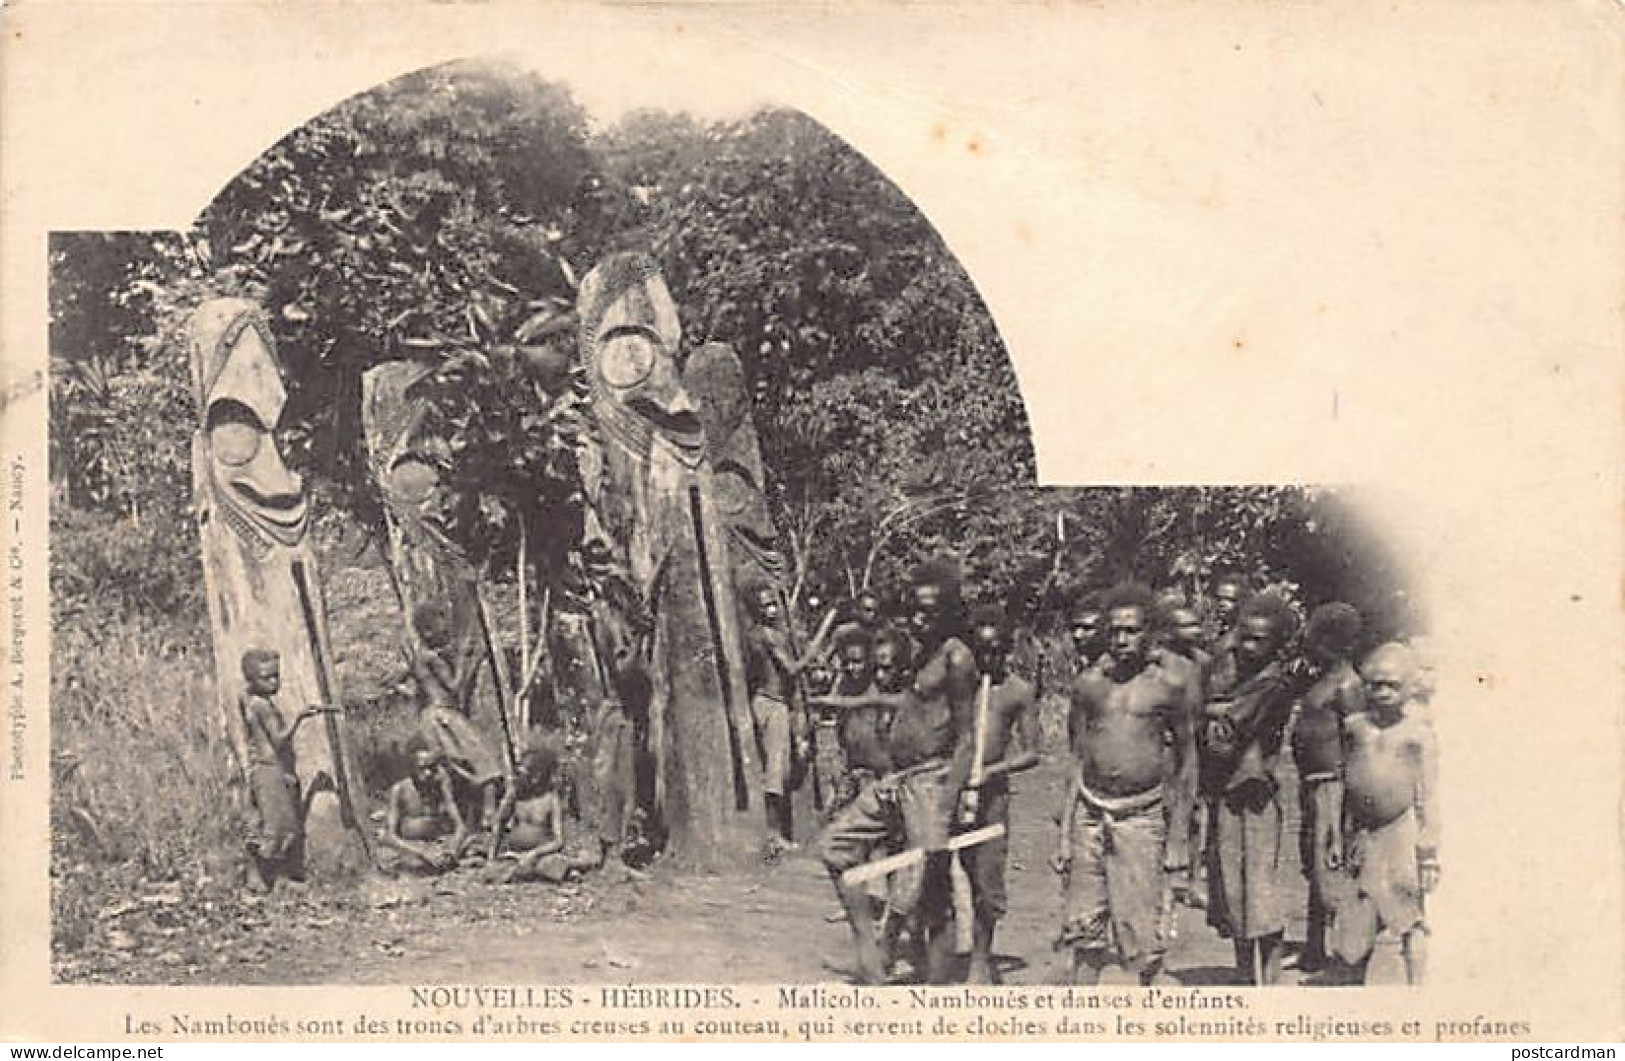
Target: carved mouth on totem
<point>282,514</point>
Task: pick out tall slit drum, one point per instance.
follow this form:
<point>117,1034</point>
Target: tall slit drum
<point>741,787</point>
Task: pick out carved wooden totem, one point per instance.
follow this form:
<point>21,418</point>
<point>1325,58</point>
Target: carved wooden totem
<point>652,491</point>
<point>403,460</point>
<point>260,569</point>
<point>716,381</point>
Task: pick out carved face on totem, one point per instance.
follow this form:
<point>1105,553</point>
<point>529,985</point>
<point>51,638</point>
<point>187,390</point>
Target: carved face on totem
<point>394,414</point>
<point>241,397</point>
<point>630,336</point>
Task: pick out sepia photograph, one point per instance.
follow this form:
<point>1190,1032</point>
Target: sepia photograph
<point>505,543</point>
<point>650,545</point>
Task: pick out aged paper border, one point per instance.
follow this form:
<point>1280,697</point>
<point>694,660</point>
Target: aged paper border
<point>1372,244</point>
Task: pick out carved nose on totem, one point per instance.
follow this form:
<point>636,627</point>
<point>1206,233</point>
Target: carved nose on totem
<point>269,481</point>
<point>666,391</point>
<point>681,404</point>
<point>665,400</point>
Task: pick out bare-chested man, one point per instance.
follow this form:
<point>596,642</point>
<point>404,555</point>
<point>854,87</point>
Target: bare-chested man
<point>273,775</point>
<point>1390,776</point>
<point>945,682</point>
<point>1084,627</point>
<point>771,670</point>
<point>1004,706</point>
<point>1329,640</point>
<point>928,722</point>
<point>422,822</point>
<point>1243,726</point>
<point>1113,842</point>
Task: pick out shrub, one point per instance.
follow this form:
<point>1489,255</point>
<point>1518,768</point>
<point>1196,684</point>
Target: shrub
<point>140,773</point>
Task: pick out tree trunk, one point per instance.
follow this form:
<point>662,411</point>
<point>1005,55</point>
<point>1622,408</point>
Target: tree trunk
<point>653,491</point>
<point>423,566</point>
<point>259,570</point>
<point>709,782</point>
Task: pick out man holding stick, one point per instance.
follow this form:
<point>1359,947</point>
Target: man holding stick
<point>929,720</point>
<point>771,672</point>
<point>1004,703</point>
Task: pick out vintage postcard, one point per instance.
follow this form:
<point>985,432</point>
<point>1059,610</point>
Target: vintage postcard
<point>752,522</point>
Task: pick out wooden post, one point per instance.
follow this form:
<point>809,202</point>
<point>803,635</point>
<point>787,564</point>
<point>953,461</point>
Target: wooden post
<point>522,706</point>
<point>401,460</point>
<point>259,567</point>
<point>651,486</point>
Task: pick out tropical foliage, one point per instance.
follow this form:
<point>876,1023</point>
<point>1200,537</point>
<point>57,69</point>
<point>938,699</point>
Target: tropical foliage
<point>446,218</point>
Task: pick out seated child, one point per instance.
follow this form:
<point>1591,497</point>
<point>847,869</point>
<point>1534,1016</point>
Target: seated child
<point>423,825</point>
<point>531,819</point>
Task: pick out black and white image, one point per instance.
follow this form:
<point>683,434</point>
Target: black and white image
<point>507,542</point>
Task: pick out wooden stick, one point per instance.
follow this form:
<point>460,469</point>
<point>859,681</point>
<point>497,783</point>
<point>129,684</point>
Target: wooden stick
<point>328,688</point>
<point>886,866</point>
<point>535,671</point>
<point>892,863</point>
<point>963,898</point>
<point>979,744</point>
<point>521,704</point>
<point>499,674</point>
<point>1020,764</point>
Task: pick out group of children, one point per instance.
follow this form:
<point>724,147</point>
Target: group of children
<point>929,722</point>
<point>455,792</point>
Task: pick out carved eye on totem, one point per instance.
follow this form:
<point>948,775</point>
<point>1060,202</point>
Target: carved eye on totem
<point>413,479</point>
<point>260,497</point>
<point>235,432</point>
<point>627,357</point>
<point>733,492</point>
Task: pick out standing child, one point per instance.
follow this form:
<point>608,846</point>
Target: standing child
<point>1243,728</point>
<point>998,737</point>
<point>1336,695</point>
<point>1390,774</point>
<point>771,671</point>
<point>273,777</point>
<point>476,772</point>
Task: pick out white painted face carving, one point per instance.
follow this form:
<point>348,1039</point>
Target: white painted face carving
<point>631,336</point>
<point>243,400</point>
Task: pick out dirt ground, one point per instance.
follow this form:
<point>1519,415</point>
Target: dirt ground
<point>773,924</point>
